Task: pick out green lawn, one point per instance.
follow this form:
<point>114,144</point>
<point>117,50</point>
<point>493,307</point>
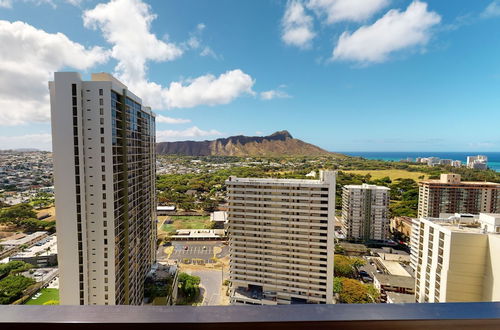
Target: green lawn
<point>186,222</point>
<point>393,174</point>
<point>47,294</point>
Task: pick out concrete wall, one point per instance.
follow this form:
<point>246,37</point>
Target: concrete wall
<point>491,281</point>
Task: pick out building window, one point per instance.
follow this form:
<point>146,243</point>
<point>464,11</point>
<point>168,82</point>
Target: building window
<point>101,92</point>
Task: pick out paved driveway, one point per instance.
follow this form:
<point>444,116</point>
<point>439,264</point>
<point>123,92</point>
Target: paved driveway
<point>211,281</point>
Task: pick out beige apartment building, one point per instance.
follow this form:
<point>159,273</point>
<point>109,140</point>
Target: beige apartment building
<point>457,261</point>
<point>451,195</point>
<point>104,171</point>
<point>365,212</point>
<point>281,239</point>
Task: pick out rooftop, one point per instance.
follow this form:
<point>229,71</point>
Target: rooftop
<point>233,179</point>
<point>25,239</point>
<point>470,183</point>
<point>366,186</point>
<point>395,281</point>
<point>42,249</point>
<point>400,298</point>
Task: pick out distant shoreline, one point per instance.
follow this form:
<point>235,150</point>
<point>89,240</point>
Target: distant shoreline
<point>493,157</point>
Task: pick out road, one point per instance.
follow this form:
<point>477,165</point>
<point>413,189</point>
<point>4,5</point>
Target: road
<point>211,281</point>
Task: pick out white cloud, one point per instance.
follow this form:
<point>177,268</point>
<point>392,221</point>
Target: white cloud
<point>126,25</point>
<point>493,10</point>
<point>76,3</point>
<point>170,120</point>
<point>259,133</point>
<point>395,31</point>
<point>192,132</point>
<point>273,94</point>
<point>207,51</point>
<point>346,10</point>
<point>8,3</point>
<point>5,3</point>
<point>41,141</point>
<point>29,56</point>
<point>209,90</point>
<point>201,27</point>
<point>297,25</point>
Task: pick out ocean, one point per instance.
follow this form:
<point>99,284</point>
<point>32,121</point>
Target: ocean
<point>493,157</point>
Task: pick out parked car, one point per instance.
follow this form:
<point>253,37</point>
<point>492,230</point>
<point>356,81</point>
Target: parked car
<point>363,273</point>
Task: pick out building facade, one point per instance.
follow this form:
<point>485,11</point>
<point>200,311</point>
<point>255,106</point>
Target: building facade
<point>104,172</point>
<point>281,239</point>
<point>451,195</point>
<point>479,162</point>
<point>457,262</point>
<point>365,212</point>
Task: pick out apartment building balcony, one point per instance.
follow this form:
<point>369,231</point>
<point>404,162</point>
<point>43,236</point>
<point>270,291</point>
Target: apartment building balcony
<point>441,316</point>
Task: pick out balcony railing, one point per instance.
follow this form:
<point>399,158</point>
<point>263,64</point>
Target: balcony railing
<point>289,317</point>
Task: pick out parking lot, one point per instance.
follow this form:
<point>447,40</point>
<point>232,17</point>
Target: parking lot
<point>195,252</point>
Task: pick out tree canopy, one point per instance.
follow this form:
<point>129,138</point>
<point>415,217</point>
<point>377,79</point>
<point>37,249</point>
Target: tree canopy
<point>351,291</point>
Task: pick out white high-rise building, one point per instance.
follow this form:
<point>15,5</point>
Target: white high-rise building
<point>104,172</point>
<point>457,259</point>
<point>365,212</point>
<point>479,162</point>
<point>281,239</point>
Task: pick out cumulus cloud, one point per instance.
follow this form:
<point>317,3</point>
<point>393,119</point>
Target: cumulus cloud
<point>346,10</point>
<point>170,120</point>
<point>192,132</point>
<point>41,141</point>
<point>274,94</point>
<point>297,25</point>
<point>29,57</point>
<point>209,90</point>
<point>493,10</point>
<point>126,25</point>
<point>395,31</point>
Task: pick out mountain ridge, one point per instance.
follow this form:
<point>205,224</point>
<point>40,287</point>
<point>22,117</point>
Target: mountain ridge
<point>280,143</point>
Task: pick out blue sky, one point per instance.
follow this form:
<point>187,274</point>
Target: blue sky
<point>346,75</point>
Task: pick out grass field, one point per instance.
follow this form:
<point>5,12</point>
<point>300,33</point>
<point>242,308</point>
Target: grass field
<point>393,174</point>
<point>47,295</point>
<point>186,222</point>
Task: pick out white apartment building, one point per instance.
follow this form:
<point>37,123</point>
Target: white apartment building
<point>281,239</point>
<point>104,171</point>
<point>365,212</point>
<point>479,162</point>
<point>455,261</point>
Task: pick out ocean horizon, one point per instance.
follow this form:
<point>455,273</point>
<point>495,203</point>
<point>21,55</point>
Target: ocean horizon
<point>493,157</point>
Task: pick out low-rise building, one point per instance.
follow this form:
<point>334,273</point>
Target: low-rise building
<point>165,210</point>
<point>199,235</point>
<point>393,283</point>
<point>25,240</point>
<point>42,254</point>
<point>400,298</point>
